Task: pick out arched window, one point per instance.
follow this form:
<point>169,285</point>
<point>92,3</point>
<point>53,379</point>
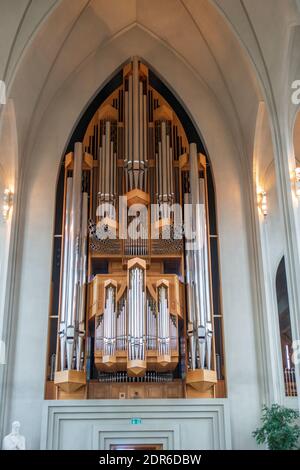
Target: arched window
<point>285,330</point>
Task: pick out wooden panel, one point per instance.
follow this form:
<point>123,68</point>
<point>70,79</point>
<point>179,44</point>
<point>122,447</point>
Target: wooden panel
<point>80,394</point>
<point>50,390</point>
<point>98,390</point>
<point>193,393</point>
<point>174,390</point>
<point>135,390</point>
<point>220,389</point>
<point>155,391</point>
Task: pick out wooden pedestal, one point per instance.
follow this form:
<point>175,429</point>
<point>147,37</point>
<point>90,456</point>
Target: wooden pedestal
<point>201,379</point>
<point>136,368</point>
<point>70,380</point>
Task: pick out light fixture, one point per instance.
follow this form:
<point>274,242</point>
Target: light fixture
<point>297,181</point>
<point>7,203</point>
<point>262,202</point>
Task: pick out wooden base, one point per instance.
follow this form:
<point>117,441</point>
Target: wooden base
<point>136,368</point>
<point>164,360</point>
<point>201,379</point>
<point>193,393</point>
<point>128,391</point>
<point>136,196</point>
<point>70,380</point>
<point>109,362</point>
<point>80,394</point>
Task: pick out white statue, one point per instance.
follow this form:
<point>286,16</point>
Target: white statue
<point>14,440</point>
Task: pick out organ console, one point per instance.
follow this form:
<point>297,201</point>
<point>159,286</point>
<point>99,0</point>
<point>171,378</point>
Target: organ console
<point>135,286</point>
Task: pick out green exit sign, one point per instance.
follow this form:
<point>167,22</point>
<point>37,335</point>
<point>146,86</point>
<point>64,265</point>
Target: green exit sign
<point>136,421</point>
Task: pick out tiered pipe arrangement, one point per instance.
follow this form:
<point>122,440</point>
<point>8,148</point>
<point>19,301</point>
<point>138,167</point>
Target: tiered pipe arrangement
<point>136,315</point>
<point>135,131</point>
<point>164,168</point>
<point>173,333</point>
<point>72,308</point>
<point>121,325</point>
<point>110,320</point>
<point>107,164</point>
<point>197,272</point>
<point>151,324</point>
<point>163,320</point>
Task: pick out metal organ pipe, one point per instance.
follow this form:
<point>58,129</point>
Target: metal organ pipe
<point>164,168</point>
<point>65,280</point>
<point>130,136</point>
<point>141,136</point>
<point>136,128</point>
<point>110,321</point>
<point>190,284</point>
<point>203,226</point>
<point>163,321</point>
<point>82,283</point>
<point>72,311</point>
<point>136,314</point>
<point>74,253</point>
<point>202,320</point>
<point>151,324</point>
<point>136,121</point>
<point>145,133</point>
<point>99,334</point>
<point>107,186</point>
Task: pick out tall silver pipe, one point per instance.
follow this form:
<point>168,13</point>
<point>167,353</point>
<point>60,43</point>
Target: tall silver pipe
<point>136,149</point>
<point>82,285</point>
<point>130,134</point>
<point>201,270</point>
<point>103,154</point>
<point>136,314</point>
<point>126,131</point>
<point>168,167</point>
<point>164,159</point>
<point>171,172</point>
<point>107,158</point>
<point>65,279</point>
<point>141,136</point>
<point>190,301</point>
<point>112,171</point>
<point>145,153</point>
<point>204,244</point>
<point>164,322</point>
<point>109,321</point>
<point>74,253</point>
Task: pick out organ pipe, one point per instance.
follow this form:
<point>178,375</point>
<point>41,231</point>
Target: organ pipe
<point>65,281</point>
<point>82,282</point>
<point>163,320</point>
<point>136,131</point>
<point>198,267</point>
<point>110,319</point>
<point>136,315</point>
<point>72,312</point>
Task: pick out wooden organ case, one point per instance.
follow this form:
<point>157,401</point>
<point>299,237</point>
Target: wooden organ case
<point>135,300</point>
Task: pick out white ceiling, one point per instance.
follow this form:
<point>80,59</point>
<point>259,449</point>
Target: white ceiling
<point>64,34</point>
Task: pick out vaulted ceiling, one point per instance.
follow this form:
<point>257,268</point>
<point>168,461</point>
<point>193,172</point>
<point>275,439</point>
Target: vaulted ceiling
<point>44,42</point>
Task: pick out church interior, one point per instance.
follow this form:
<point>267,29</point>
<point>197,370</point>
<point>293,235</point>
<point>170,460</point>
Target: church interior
<point>150,221</point>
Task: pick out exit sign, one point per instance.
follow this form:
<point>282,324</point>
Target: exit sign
<point>136,421</point>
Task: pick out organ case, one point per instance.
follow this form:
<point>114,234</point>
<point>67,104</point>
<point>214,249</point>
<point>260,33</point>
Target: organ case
<point>135,297</point>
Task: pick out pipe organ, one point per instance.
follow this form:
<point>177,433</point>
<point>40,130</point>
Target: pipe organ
<point>135,300</point>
